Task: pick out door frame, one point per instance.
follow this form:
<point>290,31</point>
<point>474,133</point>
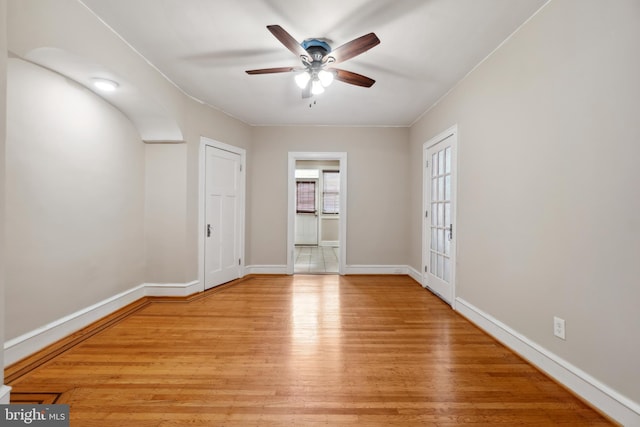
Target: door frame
<point>291,204</point>
<point>204,142</point>
<point>426,184</point>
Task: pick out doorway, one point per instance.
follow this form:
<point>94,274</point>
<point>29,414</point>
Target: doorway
<point>317,213</point>
<point>222,202</point>
<point>439,222</point>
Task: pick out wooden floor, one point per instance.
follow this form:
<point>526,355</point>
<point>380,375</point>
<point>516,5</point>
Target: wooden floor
<point>301,351</point>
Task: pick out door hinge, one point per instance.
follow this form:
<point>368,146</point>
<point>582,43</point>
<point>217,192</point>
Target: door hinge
<point>425,268</point>
<point>240,168</point>
<point>239,261</point>
<point>427,164</point>
<point>426,214</point>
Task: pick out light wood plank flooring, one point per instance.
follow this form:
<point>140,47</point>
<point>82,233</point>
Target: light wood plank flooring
<point>301,351</point>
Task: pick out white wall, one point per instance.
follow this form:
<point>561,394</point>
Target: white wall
<point>74,199</point>
<point>548,191</point>
<point>377,189</point>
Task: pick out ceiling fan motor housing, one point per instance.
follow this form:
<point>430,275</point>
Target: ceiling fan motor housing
<point>317,49</point>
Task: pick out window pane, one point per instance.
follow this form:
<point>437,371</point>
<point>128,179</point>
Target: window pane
<point>432,265</point>
<point>330,192</point>
<point>441,188</point>
<point>434,238</point>
<point>441,240</point>
<point>331,181</point>
<point>434,189</point>
<point>446,276</point>
<point>447,187</point>
<point>440,266</point>
<point>441,214</point>
<point>441,163</point>
<point>434,164</point>
<point>305,196</point>
<point>434,214</point>
<point>330,203</point>
<point>447,160</point>
<point>447,214</point>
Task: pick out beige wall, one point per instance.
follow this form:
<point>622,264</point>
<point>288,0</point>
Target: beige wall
<point>151,223</point>
<point>74,199</point>
<point>204,121</point>
<point>377,176</point>
<point>165,213</point>
<point>548,184</point>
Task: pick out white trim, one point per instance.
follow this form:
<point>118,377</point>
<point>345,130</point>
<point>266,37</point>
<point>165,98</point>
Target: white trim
<point>26,344</point>
<point>617,406</point>
<point>291,202</point>
<point>204,142</point>
<point>376,269</point>
<point>266,269</point>
<point>5,392</point>
<point>172,289</point>
<point>415,275</point>
<point>349,269</point>
<point>329,243</point>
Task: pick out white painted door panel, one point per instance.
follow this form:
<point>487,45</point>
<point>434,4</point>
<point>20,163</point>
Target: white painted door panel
<point>222,246</point>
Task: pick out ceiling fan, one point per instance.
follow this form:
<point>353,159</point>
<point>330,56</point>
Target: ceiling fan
<point>318,59</point>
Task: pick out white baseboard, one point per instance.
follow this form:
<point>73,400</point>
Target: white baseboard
<point>4,394</point>
<point>329,243</point>
<point>172,289</point>
<point>375,269</point>
<point>349,269</point>
<point>414,274</point>
<point>266,269</point>
<point>609,401</point>
<point>26,344</point>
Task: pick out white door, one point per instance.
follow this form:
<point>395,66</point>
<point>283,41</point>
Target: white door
<point>440,230</point>
<point>306,226</point>
<point>222,192</point>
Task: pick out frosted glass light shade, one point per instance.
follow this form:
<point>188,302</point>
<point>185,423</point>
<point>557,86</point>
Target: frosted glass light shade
<point>326,77</point>
<point>302,79</point>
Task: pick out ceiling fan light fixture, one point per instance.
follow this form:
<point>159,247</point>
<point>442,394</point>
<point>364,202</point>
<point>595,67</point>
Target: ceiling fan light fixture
<point>326,77</point>
<point>105,85</point>
<point>316,87</point>
<point>302,79</point>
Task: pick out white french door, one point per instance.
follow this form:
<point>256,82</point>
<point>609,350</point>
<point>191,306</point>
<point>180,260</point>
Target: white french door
<point>222,204</point>
<point>439,246</point>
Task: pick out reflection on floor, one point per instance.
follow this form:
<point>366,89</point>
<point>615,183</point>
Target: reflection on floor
<point>316,260</point>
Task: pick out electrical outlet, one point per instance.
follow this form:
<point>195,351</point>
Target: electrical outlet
<point>558,327</point>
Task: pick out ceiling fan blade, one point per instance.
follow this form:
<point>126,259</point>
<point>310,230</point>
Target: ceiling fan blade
<point>353,78</point>
<point>353,48</point>
<point>287,40</point>
<point>272,70</point>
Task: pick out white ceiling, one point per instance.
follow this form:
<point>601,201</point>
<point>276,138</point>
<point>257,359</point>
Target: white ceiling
<point>205,46</point>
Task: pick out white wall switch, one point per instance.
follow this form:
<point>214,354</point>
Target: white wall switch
<point>558,327</point>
